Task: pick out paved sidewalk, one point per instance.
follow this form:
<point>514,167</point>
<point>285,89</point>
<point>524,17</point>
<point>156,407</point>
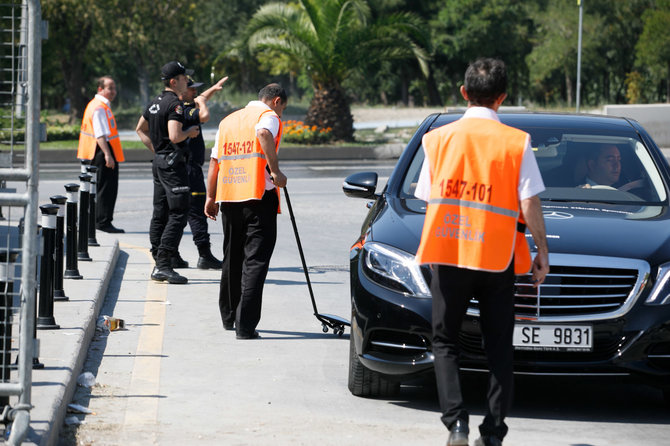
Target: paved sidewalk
<point>63,351</point>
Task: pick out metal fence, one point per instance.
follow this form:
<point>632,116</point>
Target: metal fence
<point>20,67</point>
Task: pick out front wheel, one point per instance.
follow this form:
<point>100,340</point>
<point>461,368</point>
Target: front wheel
<point>365,382</point>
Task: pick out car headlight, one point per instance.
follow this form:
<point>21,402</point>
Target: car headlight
<point>660,294</point>
<point>395,269</point>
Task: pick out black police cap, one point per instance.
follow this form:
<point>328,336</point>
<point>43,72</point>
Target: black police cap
<point>193,84</point>
<point>173,69</point>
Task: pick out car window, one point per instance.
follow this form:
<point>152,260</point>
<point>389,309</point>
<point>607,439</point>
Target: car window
<point>582,167</point>
<point>412,175</point>
<point>586,167</point>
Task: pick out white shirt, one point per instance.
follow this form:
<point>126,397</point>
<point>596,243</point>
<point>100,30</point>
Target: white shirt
<point>269,122</point>
<point>530,178</point>
<point>100,123</point>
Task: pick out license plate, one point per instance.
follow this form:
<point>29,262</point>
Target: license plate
<point>553,337</point>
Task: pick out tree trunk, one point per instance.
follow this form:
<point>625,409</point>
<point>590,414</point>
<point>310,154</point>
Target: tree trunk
<point>568,88</point>
<point>73,73</point>
<point>143,81</point>
<point>433,93</point>
<point>404,90</point>
<point>330,108</point>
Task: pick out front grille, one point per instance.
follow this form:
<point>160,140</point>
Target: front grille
<point>581,291</point>
<point>571,290</point>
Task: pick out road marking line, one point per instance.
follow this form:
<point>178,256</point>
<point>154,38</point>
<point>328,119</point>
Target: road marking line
<point>145,379</point>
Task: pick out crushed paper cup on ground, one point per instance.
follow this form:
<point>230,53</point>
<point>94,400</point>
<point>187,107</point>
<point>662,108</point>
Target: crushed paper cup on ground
<point>113,323</point>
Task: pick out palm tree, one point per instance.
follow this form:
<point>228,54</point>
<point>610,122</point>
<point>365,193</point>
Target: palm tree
<point>330,39</point>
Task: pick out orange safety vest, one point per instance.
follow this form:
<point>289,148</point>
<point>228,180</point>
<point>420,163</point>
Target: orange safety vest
<point>87,140</point>
<point>472,215</point>
<point>242,163</point>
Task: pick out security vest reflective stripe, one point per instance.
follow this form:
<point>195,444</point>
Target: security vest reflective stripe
<point>471,219</point>
<point>87,140</point>
<point>242,161</point>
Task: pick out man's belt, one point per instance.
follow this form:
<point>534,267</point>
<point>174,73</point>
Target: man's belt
<point>521,227</point>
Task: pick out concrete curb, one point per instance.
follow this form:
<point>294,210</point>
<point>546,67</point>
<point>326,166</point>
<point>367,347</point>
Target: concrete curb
<point>384,151</point>
<point>64,351</point>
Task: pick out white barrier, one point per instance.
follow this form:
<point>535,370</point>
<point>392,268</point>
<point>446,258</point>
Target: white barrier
<point>655,118</point>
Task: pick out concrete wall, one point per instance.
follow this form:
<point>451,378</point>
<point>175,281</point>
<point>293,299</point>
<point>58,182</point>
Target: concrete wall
<point>655,118</point>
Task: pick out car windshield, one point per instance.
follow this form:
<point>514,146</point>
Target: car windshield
<point>583,167</point>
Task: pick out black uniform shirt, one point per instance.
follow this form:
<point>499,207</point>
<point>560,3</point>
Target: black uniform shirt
<point>166,107</point>
<point>197,144</point>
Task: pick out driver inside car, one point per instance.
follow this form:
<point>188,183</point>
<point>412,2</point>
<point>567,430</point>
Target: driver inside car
<point>604,169</point>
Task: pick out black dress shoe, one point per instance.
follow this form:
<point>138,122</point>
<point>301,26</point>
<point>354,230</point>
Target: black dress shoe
<point>169,275</point>
<point>458,434</point>
<point>488,440</point>
<point>110,229</point>
<point>209,262</point>
<point>229,326</point>
<point>177,262</point>
<point>254,335</point>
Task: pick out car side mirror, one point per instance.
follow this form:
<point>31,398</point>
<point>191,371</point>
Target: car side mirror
<point>360,185</point>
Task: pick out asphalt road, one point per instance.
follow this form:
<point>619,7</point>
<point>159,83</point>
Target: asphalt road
<point>174,376</point>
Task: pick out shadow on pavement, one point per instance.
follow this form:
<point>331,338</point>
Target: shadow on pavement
<point>292,335</point>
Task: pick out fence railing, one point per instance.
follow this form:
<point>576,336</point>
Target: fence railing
<point>20,70</point>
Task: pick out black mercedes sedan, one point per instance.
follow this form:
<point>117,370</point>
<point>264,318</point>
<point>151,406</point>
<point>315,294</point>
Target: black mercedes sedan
<point>604,308</point>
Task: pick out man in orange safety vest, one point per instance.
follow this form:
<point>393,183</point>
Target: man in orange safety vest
<point>99,142</point>
<point>480,180</point>
<point>243,181</point>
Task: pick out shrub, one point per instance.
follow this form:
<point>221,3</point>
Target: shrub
<point>299,133</point>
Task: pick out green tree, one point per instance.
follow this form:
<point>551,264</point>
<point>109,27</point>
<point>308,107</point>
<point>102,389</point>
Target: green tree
<point>135,44</point>
<point>554,55</point>
<point>218,26</point>
<point>606,69</point>
<point>653,48</point>
<point>464,30</point>
<point>71,24</point>
<point>331,39</point>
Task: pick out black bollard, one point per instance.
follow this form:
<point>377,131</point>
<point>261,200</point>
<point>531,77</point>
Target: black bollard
<point>82,245</point>
<point>84,165</point>
<point>59,292</point>
<point>71,267</point>
<point>45,309</point>
<point>93,170</point>
<point>7,265</point>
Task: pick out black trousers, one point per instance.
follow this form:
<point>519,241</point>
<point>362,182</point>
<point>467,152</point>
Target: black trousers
<point>107,188</point>
<point>250,233</point>
<point>196,213</point>
<point>452,289</point>
<point>171,203</point>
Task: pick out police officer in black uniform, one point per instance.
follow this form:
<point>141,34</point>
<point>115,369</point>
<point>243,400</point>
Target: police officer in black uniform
<point>161,128</point>
<point>196,113</point>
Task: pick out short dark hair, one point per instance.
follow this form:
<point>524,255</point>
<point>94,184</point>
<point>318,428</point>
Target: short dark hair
<point>485,81</point>
<point>272,91</point>
<point>101,81</point>
<point>594,152</point>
